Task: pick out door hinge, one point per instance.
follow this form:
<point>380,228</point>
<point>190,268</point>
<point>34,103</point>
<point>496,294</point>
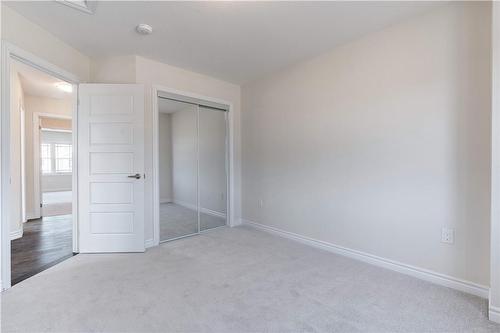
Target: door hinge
<point>144,176</point>
<point>41,205</point>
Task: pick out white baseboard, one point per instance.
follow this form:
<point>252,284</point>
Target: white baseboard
<point>420,273</point>
<point>62,189</point>
<point>494,314</point>
<point>149,243</point>
<point>31,216</point>
<point>166,200</point>
<point>212,212</point>
<point>184,204</point>
<point>16,234</point>
<point>202,210</point>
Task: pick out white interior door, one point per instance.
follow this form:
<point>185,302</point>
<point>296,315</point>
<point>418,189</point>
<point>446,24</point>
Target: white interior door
<point>111,167</point>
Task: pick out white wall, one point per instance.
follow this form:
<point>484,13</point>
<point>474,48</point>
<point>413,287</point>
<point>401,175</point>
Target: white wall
<point>61,107</point>
<point>119,69</point>
<point>184,157</point>
<point>165,157</point>
<point>380,143</point>
<point>56,183</point>
<point>15,203</point>
<point>42,105</point>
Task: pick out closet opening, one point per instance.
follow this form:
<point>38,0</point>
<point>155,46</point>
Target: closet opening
<point>192,167</point>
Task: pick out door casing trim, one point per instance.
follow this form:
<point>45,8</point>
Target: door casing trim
<point>11,52</point>
<point>230,154</point>
<point>37,189</point>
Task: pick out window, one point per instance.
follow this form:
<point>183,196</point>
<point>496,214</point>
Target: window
<point>63,153</point>
<point>56,158</point>
<point>46,157</point>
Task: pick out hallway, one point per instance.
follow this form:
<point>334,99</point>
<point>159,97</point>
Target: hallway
<point>45,242</point>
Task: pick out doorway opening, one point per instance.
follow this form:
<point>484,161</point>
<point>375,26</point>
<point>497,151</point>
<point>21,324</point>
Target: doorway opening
<point>192,166</point>
<point>41,170</point>
<point>55,172</point>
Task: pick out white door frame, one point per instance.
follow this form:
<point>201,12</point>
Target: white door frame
<point>230,162</point>
<point>37,189</point>
<point>11,52</point>
<point>23,165</point>
<point>494,297</point>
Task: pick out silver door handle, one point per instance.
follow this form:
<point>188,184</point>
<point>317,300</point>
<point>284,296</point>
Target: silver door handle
<point>136,176</point>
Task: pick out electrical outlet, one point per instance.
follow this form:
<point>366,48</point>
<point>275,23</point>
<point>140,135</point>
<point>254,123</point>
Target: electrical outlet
<point>447,235</point>
<point>261,203</point>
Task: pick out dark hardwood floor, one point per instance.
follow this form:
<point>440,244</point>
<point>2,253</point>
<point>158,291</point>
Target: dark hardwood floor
<point>45,242</point>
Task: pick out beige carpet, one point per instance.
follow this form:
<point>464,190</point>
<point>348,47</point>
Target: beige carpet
<point>234,280</point>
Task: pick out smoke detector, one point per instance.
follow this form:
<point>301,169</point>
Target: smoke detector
<point>144,29</point>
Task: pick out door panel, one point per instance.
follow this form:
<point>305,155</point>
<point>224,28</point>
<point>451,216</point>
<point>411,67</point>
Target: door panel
<point>111,163</point>
<point>111,133</point>
<point>120,223</point>
<point>212,168</point>
<point>111,105</point>
<point>111,193</point>
<point>178,172</point>
<point>111,150</point>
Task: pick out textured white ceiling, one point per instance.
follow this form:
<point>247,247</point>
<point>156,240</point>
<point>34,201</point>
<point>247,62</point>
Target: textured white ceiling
<point>234,41</point>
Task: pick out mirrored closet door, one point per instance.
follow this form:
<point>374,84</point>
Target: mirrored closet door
<point>178,169</point>
<point>212,167</point>
<point>192,168</point>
